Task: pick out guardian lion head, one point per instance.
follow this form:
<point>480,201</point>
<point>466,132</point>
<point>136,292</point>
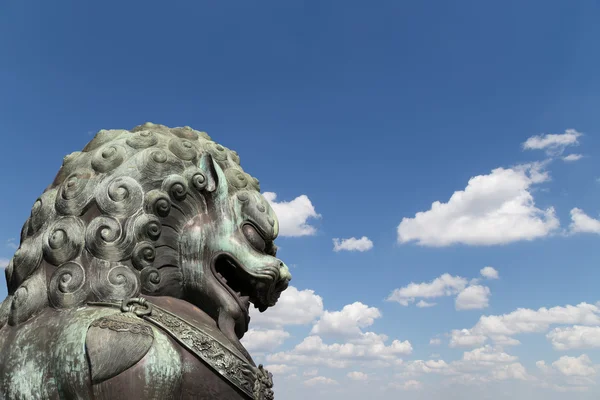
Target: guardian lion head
<point>155,210</point>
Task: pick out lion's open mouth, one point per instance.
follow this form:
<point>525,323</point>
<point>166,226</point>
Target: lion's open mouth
<point>243,286</point>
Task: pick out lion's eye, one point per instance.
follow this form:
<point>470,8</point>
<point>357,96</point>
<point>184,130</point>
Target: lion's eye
<point>254,237</point>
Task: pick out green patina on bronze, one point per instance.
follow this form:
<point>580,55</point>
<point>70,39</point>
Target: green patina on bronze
<point>161,213</point>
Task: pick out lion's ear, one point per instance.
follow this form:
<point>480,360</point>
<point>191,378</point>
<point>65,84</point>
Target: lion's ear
<point>216,184</point>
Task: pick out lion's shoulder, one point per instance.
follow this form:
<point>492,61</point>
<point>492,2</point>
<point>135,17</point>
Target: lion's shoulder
<point>115,343</point>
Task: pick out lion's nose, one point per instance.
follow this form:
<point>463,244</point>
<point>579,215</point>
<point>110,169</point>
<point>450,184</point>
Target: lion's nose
<point>284,272</point>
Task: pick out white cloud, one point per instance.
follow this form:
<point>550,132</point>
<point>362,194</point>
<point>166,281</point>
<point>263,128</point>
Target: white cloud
<point>511,371</point>
<point>465,338</point>
<point>293,215</point>
<point>279,369</point>
<point>294,307</point>
<point>445,285</point>
<point>357,376</point>
<point>573,157</point>
<point>264,340</point>
<point>12,243</point>
<point>489,273</point>
<point>4,262</point>
<point>487,354</point>
<point>320,380</point>
<point>371,347</point>
<point>494,209</point>
<point>347,322</point>
<point>435,341</point>
<point>481,365</point>
<point>553,144</point>
<point>352,244</point>
<point>582,223</point>
<point>473,298</point>
<point>310,372</point>
<point>575,366</point>
<point>575,337</point>
<point>424,304</point>
<point>502,340</point>
<point>420,367</point>
<point>542,366</point>
<point>524,320</point>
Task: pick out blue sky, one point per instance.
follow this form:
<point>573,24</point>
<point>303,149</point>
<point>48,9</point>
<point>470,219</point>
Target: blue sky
<point>357,116</point>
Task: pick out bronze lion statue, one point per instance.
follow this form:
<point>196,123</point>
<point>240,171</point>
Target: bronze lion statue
<point>135,274</point>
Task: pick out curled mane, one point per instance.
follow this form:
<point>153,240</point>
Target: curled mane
<point>107,228</point>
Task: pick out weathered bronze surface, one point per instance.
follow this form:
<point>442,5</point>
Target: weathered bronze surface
<point>135,274</point>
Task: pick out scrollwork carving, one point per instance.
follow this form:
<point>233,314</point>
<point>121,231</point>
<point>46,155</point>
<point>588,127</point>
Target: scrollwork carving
<point>143,255</point>
<point>157,202</point>
<point>150,278</point>
<point>154,163</point>
<point>105,239</point>
<point>176,186</point>
<point>26,260</point>
<point>114,282</point>
<point>142,139</point>
<point>75,193</point>
<point>42,212</point>
<point>68,285</point>
<point>183,149</point>
<point>120,197</point>
<point>63,240</point>
<point>108,157</point>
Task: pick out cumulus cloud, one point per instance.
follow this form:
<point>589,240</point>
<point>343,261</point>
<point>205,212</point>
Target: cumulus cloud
<point>493,209</point>
<point>264,340</point>
<point>320,380</point>
<point>435,341</point>
<point>347,322</point>
<point>12,243</point>
<point>370,347</point>
<point>553,144</point>
<point>293,215</point>
<point>522,320</point>
<point>575,366</point>
<point>573,157</point>
<point>445,285</point>
<point>4,262</point>
<point>294,307</point>
<point>357,376</point>
<point>352,244</point>
<point>473,298</point>
<point>510,371</point>
<point>481,365</point>
<point>582,223</point>
<point>279,369</point>
<point>420,367</point>
<point>489,273</point>
<point>575,337</point>
<point>465,338</point>
<point>470,295</point>
<point>488,354</point>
